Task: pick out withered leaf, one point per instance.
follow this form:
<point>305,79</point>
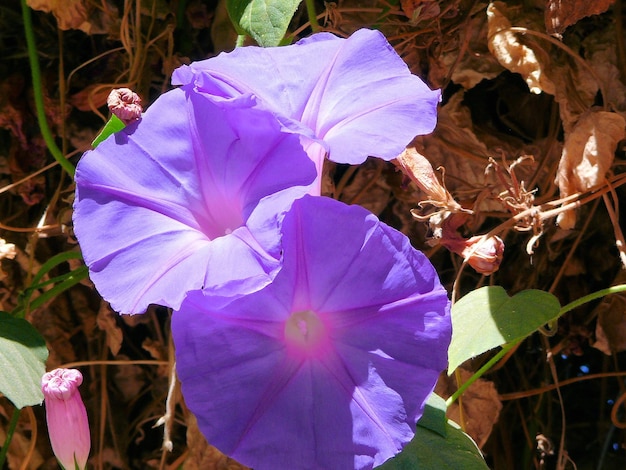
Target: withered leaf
<point>559,14</point>
<point>513,54</point>
<point>587,155</point>
<point>106,321</point>
<point>481,405</point>
<point>70,14</point>
<point>611,326</point>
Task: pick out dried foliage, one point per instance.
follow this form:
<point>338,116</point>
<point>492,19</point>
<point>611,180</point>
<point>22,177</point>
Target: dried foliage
<point>529,148</point>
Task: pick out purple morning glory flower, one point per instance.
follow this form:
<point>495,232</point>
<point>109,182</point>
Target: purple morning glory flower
<point>329,365</point>
<point>355,95</point>
<point>170,204</point>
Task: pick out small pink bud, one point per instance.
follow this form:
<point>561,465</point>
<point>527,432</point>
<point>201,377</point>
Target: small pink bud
<point>484,254</point>
<point>68,427</point>
<point>125,104</point>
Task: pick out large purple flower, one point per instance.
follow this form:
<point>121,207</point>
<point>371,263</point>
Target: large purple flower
<point>329,365</point>
<point>356,95</point>
<point>170,203</point>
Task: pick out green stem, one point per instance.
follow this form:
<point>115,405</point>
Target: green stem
<point>72,279</point>
<point>480,372</point>
<point>241,38</point>
<point>38,93</point>
<point>10,431</point>
<point>592,296</point>
<point>312,14</point>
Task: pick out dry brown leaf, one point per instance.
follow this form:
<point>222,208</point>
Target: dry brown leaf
<point>368,187</point>
<point>481,405</point>
<point>601,52</point>
<point>420,10</point>
<point>514,55</point>
<point>91,97</point>
<point>203,456</point>
<point>129,379</point>
<point>559,14</point>
<point>70,14</point>
<point>587,155</point>
<point>107,322</point>
<point>611,326</point>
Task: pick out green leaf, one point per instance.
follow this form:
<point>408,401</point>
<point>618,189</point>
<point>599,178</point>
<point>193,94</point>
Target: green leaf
<point>65,281</point>
<point>113,125</point>
<point>488,317</point>
<point>23,354</point>
<point>265,20</point>
<point>434,417</point>
<point>432,450</point>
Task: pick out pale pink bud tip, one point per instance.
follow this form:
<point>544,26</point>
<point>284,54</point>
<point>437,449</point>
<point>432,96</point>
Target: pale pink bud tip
<point>66,415</point>
<point>484,254</point>
<point>125,104</point>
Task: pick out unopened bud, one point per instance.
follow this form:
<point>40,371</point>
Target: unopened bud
<point>125,104</point>
<point>484,254</point>
<point>66,416</point>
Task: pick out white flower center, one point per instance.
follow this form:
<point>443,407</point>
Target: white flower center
<point>305,330</point>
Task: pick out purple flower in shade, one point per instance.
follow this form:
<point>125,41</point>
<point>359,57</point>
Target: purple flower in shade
<point>66,416</point>
<point>329,365</point>
<point>356,97</point>
<point>168,204</point>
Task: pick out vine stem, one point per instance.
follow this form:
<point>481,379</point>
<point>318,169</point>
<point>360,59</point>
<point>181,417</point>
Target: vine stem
<point>38,93</point>
<point>7,441</point>
<point>310,10</point>
<point>480,372</point>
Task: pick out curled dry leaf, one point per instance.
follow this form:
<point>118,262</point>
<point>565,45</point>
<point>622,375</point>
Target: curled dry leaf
<point>513,54</point>
<point>203,456</point>
<point>91,97</point>
<point>70,14</point>
<point>481,405</point>
<point>471,62</point>
<point>601,53</point>
<point>368,188</point>
<point>106,321</point>
<point>559,14</point>
<point>588,154</point>
<point>420,10</point>
<point>611,325</point>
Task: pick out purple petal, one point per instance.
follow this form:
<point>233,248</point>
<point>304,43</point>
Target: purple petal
<point>352,396</point>
<point>161,207</point>
<point>355,94</point>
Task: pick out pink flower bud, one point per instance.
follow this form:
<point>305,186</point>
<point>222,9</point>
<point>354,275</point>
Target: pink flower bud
<point>125,104</point>
<point>484,254</point>
<point>68,427</point>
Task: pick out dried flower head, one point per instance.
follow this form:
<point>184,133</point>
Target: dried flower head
<point>125,104</point>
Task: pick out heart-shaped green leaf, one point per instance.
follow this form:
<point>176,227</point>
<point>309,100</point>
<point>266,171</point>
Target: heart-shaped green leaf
<point>488,317</point>
<point>266,21</point>
<point>23,354</point>
<point>439,444</point>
